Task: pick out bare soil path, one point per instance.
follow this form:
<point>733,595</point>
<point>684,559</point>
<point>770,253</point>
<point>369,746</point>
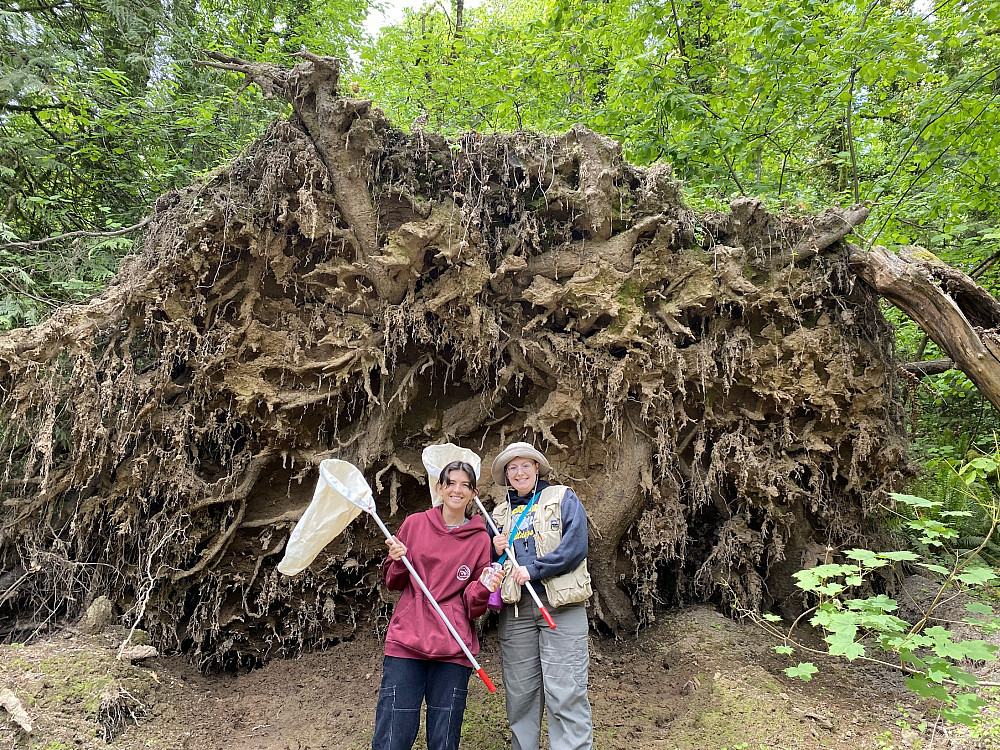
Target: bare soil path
<point>694,681</point>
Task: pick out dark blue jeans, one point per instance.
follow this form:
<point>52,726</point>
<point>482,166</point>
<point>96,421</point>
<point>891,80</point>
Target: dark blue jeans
<point>405,683</point>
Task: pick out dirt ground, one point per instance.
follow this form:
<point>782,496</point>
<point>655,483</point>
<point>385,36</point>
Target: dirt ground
<point>694,681</point>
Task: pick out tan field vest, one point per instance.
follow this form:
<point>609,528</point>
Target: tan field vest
<point>568,588</point>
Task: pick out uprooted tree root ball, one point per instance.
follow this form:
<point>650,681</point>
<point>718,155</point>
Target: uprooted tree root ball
<point>718,389</point>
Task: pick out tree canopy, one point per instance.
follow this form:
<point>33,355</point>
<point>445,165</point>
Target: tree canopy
<point>803,103</point>
<point>102,111</point>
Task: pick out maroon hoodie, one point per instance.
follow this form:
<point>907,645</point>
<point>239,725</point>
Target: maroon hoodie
<point>449,561</point>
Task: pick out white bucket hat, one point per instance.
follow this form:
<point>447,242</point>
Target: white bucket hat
<point>517,450</point>
<point>436,457</point>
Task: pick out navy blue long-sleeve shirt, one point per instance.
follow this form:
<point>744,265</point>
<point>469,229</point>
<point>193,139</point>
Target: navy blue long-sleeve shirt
<point>572,548</point>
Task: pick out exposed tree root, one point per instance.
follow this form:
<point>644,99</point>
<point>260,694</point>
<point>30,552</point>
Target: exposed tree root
<point>717,388</point>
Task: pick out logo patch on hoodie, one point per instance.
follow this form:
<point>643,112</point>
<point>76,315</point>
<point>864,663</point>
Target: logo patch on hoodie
<point>464,573</point>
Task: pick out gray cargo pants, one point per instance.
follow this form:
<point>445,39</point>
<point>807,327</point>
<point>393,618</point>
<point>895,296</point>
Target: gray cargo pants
<point>546,668</point>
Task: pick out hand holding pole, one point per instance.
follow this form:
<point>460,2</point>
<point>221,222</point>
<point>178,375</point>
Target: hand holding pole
<point>366,502</point>
<point>510,554</point>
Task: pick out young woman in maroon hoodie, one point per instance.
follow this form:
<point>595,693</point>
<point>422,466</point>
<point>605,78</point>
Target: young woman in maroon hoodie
<point>451,552</point>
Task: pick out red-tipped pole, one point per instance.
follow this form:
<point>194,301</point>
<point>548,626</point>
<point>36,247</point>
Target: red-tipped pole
<point>366,502</point>
<point>510,552</point>
<point>486,679</point>
<point>548,617</point>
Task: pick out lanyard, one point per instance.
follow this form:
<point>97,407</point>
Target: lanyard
<point>517,526</point>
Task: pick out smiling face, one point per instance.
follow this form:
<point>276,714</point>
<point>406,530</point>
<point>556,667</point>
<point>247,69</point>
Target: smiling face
<point>521,474</point>
<point>456,489</point>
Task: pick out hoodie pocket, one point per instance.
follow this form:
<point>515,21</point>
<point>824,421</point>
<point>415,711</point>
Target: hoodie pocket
<point>438,642</point>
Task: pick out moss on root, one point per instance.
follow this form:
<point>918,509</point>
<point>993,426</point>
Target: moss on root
<point>75,690</point>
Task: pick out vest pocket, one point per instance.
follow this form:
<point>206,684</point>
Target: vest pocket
<point>510,592</point>
<point>569,588</point>
<point>546,541</point>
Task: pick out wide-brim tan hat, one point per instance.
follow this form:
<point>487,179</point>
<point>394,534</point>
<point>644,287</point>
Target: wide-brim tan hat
<point>517,450</point>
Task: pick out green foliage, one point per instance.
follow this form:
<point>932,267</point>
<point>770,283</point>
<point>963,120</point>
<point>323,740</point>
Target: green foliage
<point>867,628</point>
<point>806,103</point>
<point>956,506</point>
<point>103,110</point>
<point>803,670</point>
<point>949,418</point>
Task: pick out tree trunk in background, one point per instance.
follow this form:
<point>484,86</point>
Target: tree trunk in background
<point>716,388</point>
<point>957,314</point>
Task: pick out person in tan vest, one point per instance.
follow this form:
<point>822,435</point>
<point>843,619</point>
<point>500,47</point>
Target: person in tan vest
<point>543,668</point>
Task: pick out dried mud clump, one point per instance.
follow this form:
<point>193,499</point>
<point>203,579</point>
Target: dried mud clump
<point>718,389</point>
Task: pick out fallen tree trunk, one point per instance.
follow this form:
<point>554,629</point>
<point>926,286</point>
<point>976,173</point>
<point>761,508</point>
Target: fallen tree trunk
<point>956,313</point>
<point>716,388</point>
<point>928,367</point>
